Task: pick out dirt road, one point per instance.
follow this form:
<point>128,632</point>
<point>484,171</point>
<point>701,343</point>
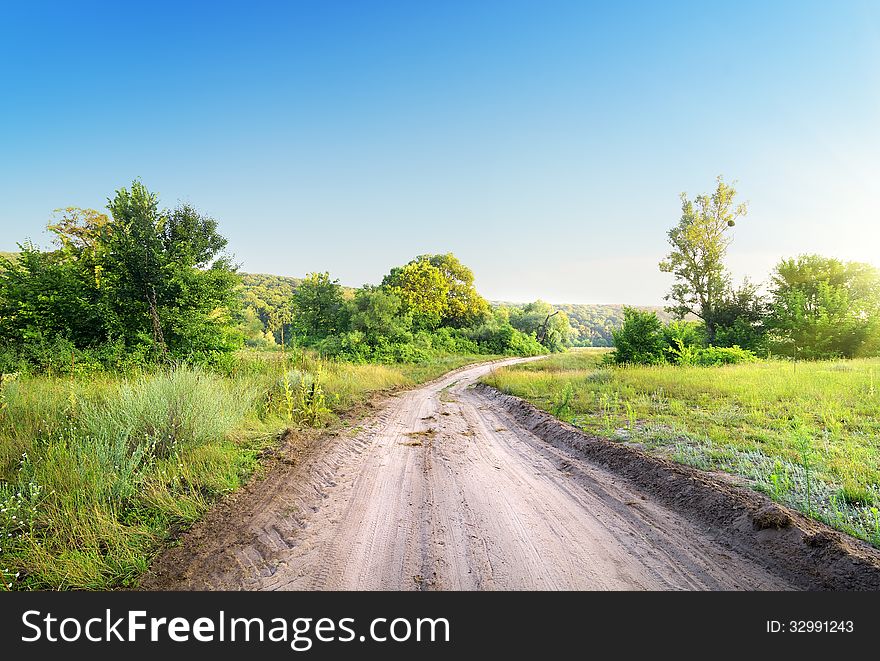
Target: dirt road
<point>441,490</point>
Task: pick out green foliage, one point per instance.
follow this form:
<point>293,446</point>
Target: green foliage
<point>464,306</point>
<point>378,314</point>
<point>499,336</point>
<point>264,315</point>
<point>699,244</point>
<point>823,307</point>
<point>542,321</point>
<point>437,290</point>
<point>643,340</point>
<point>593,325</point>
<point>680,354</point>
<point>423,291</point>
<point>740,319</point>
<point>45,295</point>
<point>150,283</point>
<point>405,320</point>
<point>640,340</point>
<point>318,308</point>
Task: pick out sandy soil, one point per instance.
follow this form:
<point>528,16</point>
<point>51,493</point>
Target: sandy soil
<point>445,488</point>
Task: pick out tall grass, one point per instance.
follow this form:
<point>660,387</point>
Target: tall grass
<point>105,469</point>
<point>97,472</point>
<point>808,437</point>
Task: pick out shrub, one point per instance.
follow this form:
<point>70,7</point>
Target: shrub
<point>681,354</point>
<point>640,340</point>
<point>712,356</point>
<point>164,412</point>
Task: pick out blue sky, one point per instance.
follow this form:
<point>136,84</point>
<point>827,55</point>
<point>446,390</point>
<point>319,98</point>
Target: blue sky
<point>545,143</point>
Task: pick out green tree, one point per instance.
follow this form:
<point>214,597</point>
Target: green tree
<point>740,318</point>
<point>823,307</point>
<point>378,314</point>
<point>318,308</point>
<point>423,289</point>
<point>438,290</point>
<point>138,278</point>
<point>166,277</point>
<point>541,320</point>
<point>699,244</point>
<point>464,306</point>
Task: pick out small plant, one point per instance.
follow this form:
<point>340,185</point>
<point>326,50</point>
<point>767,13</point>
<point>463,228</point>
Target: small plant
<point>630,417</point>
<point>780,481</point>
<point>562,408</point>
<point>608,406</point>
<point>312,406</point>
<point>289,403</point>
<point>802,443</point>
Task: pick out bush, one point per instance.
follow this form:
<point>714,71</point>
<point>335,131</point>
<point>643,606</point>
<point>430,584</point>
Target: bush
<point>644,341</point>
<point>713,356</point>
<point>640,340</point>
<point>164,412</point>
<point>504,339</point>
<point>492,338</point>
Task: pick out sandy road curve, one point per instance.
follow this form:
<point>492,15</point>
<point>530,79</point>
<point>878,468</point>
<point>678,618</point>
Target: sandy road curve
<point>442,491</point>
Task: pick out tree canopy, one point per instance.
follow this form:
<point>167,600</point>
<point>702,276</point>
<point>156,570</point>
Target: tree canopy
<point>823,307</point>
<point>438,290</point>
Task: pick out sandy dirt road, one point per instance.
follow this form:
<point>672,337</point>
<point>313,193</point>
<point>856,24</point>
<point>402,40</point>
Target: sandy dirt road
<point>440,490</point>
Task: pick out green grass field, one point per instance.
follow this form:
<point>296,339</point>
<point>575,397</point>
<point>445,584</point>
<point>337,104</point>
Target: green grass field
<point>97,472</point>
<point>807,434</point>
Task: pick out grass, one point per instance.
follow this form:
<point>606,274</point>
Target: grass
<point>97,473</point>
<point>807,435</point>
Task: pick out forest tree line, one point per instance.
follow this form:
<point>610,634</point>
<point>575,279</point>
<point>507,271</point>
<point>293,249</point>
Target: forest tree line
<point>142,285</point>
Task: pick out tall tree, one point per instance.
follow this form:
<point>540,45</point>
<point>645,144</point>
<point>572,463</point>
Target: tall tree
<point>423,290</point>
<point>166,275</point>
<point>699,245</point>
<point>464,306</point>
<point>439,291</point>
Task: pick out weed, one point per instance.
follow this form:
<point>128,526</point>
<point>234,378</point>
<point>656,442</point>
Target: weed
<point>562,408</point>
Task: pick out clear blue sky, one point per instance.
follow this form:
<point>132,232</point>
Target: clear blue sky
<point>545,143</point>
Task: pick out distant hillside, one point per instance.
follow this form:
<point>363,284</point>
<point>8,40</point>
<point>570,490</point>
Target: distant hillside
<point>593,324</point>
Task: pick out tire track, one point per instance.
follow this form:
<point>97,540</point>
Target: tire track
<point>445,490</point>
